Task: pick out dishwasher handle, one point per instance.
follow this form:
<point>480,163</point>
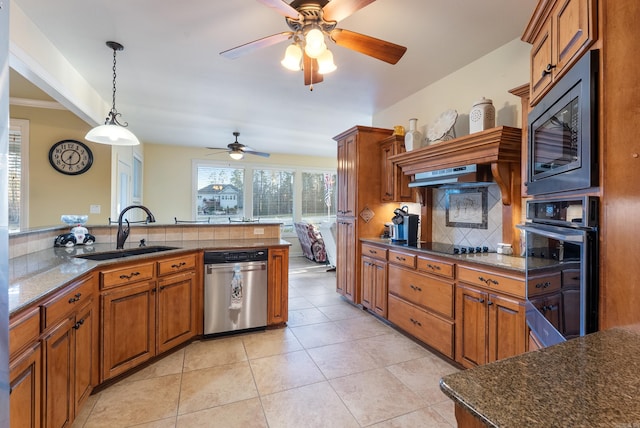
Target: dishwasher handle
<point>230,267</point>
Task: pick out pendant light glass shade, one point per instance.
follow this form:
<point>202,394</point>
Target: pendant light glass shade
<point>236,155</point>
<point>292,58</point>
<point>325,62</point>
<point>113,132</point>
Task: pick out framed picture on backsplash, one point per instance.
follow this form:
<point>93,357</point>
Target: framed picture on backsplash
<point>467,207</point>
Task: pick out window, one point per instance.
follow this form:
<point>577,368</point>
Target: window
<point>263,193</point>
<point>17,167</point>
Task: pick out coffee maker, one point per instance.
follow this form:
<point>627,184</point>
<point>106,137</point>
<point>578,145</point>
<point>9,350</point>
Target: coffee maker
<point>405,227</point>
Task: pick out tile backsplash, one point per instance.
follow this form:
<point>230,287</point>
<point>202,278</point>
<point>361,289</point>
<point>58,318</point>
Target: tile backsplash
<point>466,236</point>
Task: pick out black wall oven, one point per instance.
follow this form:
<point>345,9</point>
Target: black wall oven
<point>562,154</point>
<point>561,268</point>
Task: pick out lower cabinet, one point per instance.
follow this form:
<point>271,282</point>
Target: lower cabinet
<point>346,258</point>
<point>374,285</point>
<point>176,310</point>
<point>25,378</point>
<point>278,286</point>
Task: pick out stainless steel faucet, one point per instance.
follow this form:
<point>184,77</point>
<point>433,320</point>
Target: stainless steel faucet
<point>123,234</point>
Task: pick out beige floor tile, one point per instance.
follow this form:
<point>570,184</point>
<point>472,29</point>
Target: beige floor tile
<point>214,386</point>
<point>299,303</point>
<point>135,403</point>
<point>305,317</point>
<point>342,311</point>
<point>168,365</point>
<point>164,423</point>
<point>85,411</point>
<point>214,352</point>
<point>286,371</point>
<point>294,293</point>
<point>342,359</point>
<point>241,414</point>
<point>392,348</point>
<point>446,409</point>
<point>326,299</point>
<point>312,336</point>
<point>376,396</point>
<point>422,376</point>
<point>270,342</point>
<point>361,327</point>
<point>309,406</point>
<point>311,289</point>
<point>423,418</point>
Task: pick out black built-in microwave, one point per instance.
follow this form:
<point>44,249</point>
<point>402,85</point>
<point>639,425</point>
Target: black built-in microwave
<point>563,151</point>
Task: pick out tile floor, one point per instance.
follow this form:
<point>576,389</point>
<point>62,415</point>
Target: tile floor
<point>333,366</point>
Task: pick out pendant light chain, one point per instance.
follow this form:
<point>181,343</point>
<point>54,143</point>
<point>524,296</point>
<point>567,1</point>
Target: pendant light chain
<point>112,118</point>
<point>113,107</point>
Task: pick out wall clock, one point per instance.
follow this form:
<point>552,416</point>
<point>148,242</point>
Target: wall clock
<point>70,157</point>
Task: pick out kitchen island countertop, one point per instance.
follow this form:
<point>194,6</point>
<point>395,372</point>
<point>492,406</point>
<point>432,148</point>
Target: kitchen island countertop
<point>591,381</point>
<point>40,273</point>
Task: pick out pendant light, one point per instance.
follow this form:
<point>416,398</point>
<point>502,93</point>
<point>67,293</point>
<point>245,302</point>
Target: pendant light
<point>113,132</point>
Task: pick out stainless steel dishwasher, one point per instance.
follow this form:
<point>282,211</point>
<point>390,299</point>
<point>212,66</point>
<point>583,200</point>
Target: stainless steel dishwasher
<point>235,291</point>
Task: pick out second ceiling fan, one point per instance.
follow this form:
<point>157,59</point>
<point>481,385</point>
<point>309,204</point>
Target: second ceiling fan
<point>310,22</point>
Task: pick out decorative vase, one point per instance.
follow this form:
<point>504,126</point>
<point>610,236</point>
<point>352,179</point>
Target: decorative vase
<point>482,116</point>
<point>413,137</point>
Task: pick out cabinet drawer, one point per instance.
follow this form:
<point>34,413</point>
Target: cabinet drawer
<point>24,329</point>
<point>374,252</point>
<point>117,277</point>
<point>71,298</point>
<point>571,278</point>
<point>493,281</point>
<point>430,329</point>
<point>178,264</point>
<point>543,284</point>
<point>402,258</point>
<point>422,290</point>
<point>435,267</point>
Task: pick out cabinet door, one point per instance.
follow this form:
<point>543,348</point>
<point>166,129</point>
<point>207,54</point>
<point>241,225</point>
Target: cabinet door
<point>380,288</point>
<point>128,328</point>
<point>368,278</point>
<point>574,24</point>
<point>59,375</point>
<point>86,354</point>
<point>471,319</point>
<point>278,300</point>
<point>347,189</point>
<point>541,62</point>
<point>26,389</point>
<point>507,327</point>
<point>387,172</point>
<point>176,310</point>
<point>346,260</point>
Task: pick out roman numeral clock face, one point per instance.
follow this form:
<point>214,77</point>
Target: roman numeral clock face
<point>70,157</point>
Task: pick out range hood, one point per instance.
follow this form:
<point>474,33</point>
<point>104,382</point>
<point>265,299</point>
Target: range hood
<point>459,175</point>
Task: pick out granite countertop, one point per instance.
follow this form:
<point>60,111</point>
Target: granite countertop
<point>38,274</point>
<point>513,263</point>
<point>591,381</point>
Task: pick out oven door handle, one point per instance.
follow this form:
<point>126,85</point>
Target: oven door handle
<point>561,234</point>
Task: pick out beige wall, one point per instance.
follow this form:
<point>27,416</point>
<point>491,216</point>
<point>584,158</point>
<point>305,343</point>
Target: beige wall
<point>51,193</point>
<point>490,76</point>
<point>168,175</point>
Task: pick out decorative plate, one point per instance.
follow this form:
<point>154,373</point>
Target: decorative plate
<point>442,125</point>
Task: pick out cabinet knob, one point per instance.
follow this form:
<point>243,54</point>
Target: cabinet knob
<point>75,298</point>
<point>548,69</point>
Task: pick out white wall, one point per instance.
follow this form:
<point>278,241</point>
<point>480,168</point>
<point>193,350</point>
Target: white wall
<point>490,76</point>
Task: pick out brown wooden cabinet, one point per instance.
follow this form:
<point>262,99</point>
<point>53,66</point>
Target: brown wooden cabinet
<point>278,286</point>
<point>561,31</point>
<point>490,316</point>
<point>374,279</point>
<point>395,185</point>
<point>25,377</point>
<point>147,308</point>
<point>360,211</point>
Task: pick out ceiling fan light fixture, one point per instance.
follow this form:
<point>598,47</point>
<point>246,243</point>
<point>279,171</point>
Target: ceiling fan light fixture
<point>325,63</point>
<point>314,43</point>
<point>113,132</point>
<point>236,155</point>
<point>292,58</point>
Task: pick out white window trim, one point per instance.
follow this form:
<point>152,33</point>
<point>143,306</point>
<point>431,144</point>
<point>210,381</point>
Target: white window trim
<point>22,125</point>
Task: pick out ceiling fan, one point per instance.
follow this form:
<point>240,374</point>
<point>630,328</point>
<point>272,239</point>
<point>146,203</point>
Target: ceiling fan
<point>310,23</point>
<point>238,150</point>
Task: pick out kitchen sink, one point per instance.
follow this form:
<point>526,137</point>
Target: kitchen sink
<point>119,254</point>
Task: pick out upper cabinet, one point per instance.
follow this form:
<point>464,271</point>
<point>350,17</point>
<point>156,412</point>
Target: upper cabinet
<point>395,185</point>
<point>560,31</point>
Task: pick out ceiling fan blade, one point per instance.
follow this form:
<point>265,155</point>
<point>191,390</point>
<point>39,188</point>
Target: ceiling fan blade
<point>337,10</point>
<point>281,7</point>
<point>311,75</point>
<point>253,152</point>
<point>376,48</point>
<point>238,51</point>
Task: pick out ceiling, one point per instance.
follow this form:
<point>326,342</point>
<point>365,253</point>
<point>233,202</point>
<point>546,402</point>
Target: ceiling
<point>175,88</point>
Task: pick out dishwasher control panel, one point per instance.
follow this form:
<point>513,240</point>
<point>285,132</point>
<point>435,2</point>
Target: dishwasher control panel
<point>218,257</point>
